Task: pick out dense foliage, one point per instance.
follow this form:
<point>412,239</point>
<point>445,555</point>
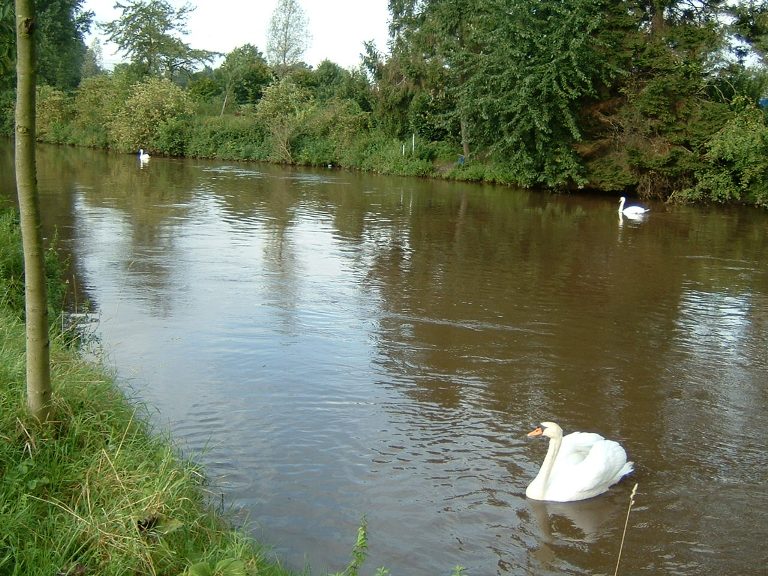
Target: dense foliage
<point>149,33</point>
<point>60,47</point>
<point>659,97</point>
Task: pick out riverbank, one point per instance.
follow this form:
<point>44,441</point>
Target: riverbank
<point>720,160</point>
<point>97,491</point>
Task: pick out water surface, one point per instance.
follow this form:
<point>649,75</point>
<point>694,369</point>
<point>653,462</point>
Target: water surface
<point>335,345</point>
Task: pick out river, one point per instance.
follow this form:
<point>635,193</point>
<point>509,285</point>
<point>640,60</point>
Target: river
<point>335,346</point>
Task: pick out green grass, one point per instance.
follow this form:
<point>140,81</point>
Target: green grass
<point>95,491</point>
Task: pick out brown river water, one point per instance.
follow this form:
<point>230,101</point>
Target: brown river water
<point>333,346</point>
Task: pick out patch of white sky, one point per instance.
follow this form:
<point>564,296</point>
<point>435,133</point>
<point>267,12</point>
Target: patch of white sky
<point>337,28</point>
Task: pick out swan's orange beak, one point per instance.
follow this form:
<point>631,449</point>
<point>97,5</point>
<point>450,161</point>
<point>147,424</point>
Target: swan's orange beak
<point>536,432</point>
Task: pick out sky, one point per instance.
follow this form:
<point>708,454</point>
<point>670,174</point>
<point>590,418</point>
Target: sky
<point>338,28</point>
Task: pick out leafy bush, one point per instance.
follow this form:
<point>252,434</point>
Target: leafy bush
<point>171,137</point>
<point>315,151</point>
<point>329,132</point>
<point>96,103</point>
<point>151,103</point>
<point>283,111</point>
<point>54,115</point>
<point>237,137</point>
<point>7,110</point>
<point>736,161</point>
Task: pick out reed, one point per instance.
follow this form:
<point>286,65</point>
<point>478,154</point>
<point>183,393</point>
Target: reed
<point>626,523</point>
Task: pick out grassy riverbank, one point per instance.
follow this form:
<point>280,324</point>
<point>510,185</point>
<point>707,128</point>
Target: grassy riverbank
<point>95,491</point>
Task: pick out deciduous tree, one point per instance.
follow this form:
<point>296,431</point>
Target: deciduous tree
<point>282,110</point>
<point>7,35</point>
<point>288,36</point>
<point>63,25</point>
<point>93,63</point>
<point>244,74</point>
<point>60,49</point>
<point>149,33</point>
<point>38,369</point>
<point>151,105</point>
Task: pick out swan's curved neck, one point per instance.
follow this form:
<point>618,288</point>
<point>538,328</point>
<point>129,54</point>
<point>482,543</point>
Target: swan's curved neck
<point>542,478</point>
<point>621,204</point>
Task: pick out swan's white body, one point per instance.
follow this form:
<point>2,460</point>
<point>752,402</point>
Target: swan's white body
<point>578,466</point>
<point>631,211</point>
<point>143,156</point>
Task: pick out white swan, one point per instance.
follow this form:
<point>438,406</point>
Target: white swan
<point>143,156</point>
<point>578,466</point>
<point>631,211</point>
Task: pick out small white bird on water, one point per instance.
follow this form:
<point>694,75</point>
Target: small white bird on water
<point>578,466</point>
<point>143,156</point>
<point>631,211</point>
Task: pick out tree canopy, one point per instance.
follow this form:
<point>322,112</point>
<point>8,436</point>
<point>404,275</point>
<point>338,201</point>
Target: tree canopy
<point>59,41</point>
<point>149,33</point>
<point>576,92</point>
<point>244,75</point>
<point>288,35</point>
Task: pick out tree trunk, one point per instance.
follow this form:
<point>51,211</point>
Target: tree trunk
<point>658,24</point>
<point>226,96</point>
<point>464,137</point>
<point>38,354</point>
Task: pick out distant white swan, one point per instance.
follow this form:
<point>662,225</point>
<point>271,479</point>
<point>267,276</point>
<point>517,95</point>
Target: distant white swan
<point>143,156</point>
<point>631,211</point>
<point>578,466</point>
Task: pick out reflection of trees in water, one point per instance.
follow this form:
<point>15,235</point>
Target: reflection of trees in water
<point>481,292</point>
<point>529,293</point>
<point>535,311</point>
<point>517,302</point>
<point>145,209</point>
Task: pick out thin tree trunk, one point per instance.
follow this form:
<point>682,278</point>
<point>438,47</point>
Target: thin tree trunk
<point>658,24</point>
<point>464,137</point>
<point>226,96</point>
<point>38,353</point>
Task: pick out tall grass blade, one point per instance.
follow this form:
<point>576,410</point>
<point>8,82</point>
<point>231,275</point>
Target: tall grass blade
<point>626,523</point>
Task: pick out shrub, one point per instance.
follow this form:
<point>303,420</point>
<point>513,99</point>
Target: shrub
<point>54,115</point>
<point>283,111</point>
<point>171,137</point>
<point>96,103</point>
<point>151,103</point>
<point>236,137</point>
<point>329,132</point>
<point>736,161</point>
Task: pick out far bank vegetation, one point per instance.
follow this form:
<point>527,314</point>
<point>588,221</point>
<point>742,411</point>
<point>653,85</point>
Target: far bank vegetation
<point>658,98</point>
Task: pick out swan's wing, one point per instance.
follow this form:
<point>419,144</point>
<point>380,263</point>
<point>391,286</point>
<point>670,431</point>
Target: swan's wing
<point>604,465</point>
<point>575,447</point>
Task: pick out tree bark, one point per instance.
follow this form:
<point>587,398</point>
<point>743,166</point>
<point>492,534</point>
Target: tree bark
<point>464,137</point>
<point>37,342</point>
<point>658,24</point>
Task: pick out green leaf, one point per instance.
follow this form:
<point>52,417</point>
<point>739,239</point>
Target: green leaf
<point>230,567</point>
<point>200,569</point>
